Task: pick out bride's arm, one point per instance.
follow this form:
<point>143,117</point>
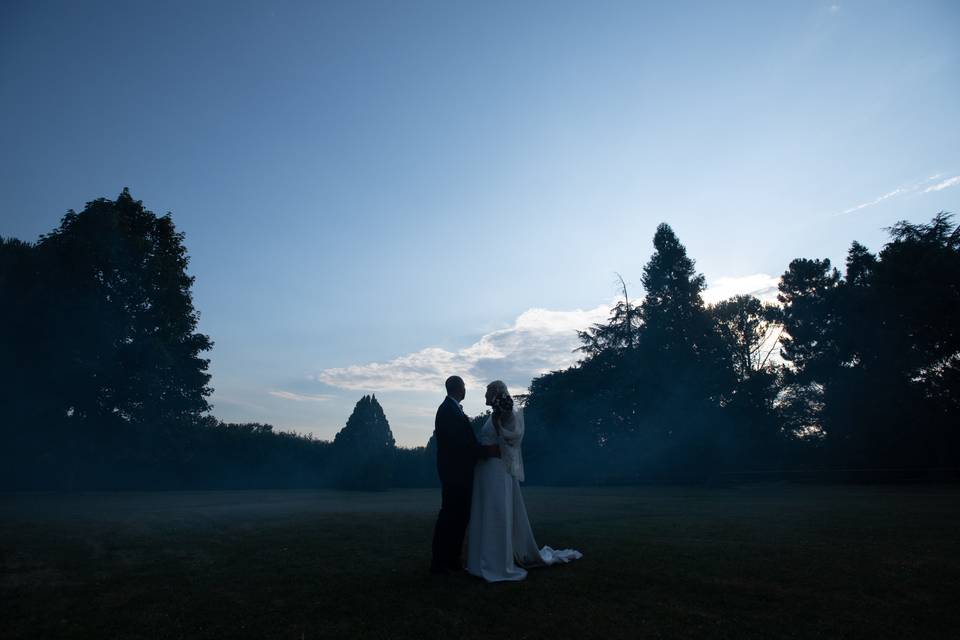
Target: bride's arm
<point>512,431</point>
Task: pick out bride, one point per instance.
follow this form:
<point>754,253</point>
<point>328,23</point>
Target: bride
<point>500,543</point>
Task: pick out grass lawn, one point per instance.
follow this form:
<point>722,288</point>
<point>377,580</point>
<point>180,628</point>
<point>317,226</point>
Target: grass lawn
<point>785,561</point>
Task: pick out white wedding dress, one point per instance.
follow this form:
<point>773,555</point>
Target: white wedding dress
<point>500,541</point>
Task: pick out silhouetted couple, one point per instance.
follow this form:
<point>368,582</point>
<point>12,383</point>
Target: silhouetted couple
<point>480,484</point>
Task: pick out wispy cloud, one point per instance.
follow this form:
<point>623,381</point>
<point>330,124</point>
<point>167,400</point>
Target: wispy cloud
<point>864,205</point>
<point>300,397</point>
<point>899,191</point>
<point>220,401</point>
<point>538,341</point>
<point>940,186</point>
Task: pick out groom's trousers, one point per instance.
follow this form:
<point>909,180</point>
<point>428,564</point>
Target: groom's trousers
<point>451,524</point>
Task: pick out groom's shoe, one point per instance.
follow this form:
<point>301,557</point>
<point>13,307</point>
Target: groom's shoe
<point>439,570</point>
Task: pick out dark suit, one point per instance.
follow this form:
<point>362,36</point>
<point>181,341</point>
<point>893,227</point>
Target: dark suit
<point>457,452</point>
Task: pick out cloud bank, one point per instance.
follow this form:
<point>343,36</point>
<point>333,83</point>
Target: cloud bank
<point>539,340</point>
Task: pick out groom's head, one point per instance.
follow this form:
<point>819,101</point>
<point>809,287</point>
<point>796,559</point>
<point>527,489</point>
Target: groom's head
<point>456,389</point>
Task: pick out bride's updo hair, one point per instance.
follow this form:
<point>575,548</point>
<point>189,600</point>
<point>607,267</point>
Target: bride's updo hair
<point>501,400</point>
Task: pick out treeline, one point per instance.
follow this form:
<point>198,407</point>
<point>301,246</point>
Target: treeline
<point>104,384</point>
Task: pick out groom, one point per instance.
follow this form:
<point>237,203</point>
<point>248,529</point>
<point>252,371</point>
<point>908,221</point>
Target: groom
<point>457,452</point>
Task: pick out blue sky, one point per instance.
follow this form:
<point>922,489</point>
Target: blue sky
<point>378,194</point>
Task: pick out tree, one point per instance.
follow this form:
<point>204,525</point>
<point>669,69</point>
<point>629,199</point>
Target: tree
<point>686,375</point>
<point>915,288</point>
<point>880,347</point>
<point>618,333</point>
<point>678,333</point>
<point>808,295</point>
<point>20,341</point>
<point>107,368</point>
<point>28,407</point>
<point>126,321</point>
<point>673,287</point>
<point>645,401</point>
<point>364,447</point>
<point>750,331</point>
<point>920,269</point>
